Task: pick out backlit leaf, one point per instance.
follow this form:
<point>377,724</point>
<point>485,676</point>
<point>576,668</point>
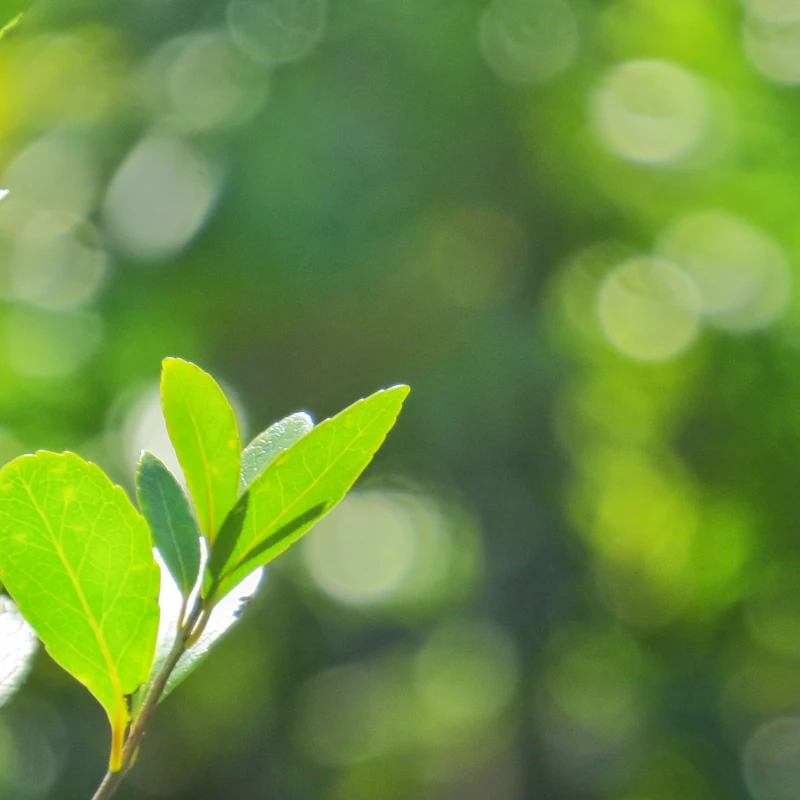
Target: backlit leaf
<point>261,452</point>
<point>77,558</point>
<point>166,509</point>
<point>299,487</point>
<point>225,614</point>
<point>17,647</point>
<point>202,427</point>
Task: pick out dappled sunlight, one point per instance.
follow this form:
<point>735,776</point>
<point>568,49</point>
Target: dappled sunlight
<point>741,274</point>
<point>529,41</point>
<point>649,309</point>
<point>651,111</point>
<point>392,548</point>
<point>159,198</point>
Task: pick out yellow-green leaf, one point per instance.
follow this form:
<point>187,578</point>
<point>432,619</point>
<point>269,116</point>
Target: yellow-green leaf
<point>77,559</point>
<point>203,430</point>
<point>299,487</point>
<point>11,12</point>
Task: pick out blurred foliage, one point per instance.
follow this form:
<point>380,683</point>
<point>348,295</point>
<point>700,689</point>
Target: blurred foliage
<point>571,226</point>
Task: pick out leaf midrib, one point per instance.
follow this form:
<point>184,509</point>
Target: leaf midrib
<point>328,467</point>
<point>211,509</point>
<point>171,528</point>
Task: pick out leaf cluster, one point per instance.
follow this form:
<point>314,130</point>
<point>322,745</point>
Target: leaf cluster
<point>129,601</point>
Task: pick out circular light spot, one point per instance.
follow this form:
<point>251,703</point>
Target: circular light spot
<point>466,673</point>
<point>777,10</point>
<point>144,428</point>
<point>651,111</point>
<point>57,263</point>
<point>159,198</point>
<point>528,41</point>
<point>773,47</point>
<point>649,309</point>
<point>277,31</point>
<point>772,760</point>
<point>367,551</point>
<point>349,714</point>
<point>50,345</point>
<point>203,82</point>
<point>741,275</point>
<point>56,172</point>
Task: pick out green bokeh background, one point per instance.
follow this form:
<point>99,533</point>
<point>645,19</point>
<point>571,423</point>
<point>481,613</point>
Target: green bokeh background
<point>572,227</point>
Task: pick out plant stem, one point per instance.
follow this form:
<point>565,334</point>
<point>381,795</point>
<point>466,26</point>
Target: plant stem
<point>112,780</point>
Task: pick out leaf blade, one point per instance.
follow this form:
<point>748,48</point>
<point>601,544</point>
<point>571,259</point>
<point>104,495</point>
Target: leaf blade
<point>203,430</point>
<point>76,558</point>
<point>301,485</point>
<point>166,509</point>
<point>269,444</point>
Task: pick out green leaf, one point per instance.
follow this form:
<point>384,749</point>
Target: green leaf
<point>166,509</point>
<point>224,616</point>
<point>11,12</point>
<point>17,646</point>
<point>262,451</point>
<point>299,487</point>
<point>202,427</point>
<point>77,558</point>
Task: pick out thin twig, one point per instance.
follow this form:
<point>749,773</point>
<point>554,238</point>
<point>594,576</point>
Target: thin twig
<point>112,780</point>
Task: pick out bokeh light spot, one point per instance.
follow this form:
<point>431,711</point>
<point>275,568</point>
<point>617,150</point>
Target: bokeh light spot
<point>159,198</point>
<point>777,10</point>
<point>58,262</point>
<point>367,551</point>
<point>201,81</point>
<point>144,428</point>
<point>277,31</point>
<point>45,344</point>
<point>742,277</point>
<point>56,172</point>
<point>466,673</point>
<point>651,111</point>
<point>351,713</point>
<point>771,760</point>
<point>773,47</point>
<point>528,41</point>
<point>649,309</point>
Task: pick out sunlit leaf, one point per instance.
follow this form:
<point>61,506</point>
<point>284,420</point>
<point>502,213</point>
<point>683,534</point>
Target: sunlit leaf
<point>77,558</point>
<point>299,487</point>
<point>223,617</point>
<point>166,509</point>
<point>203,430</point>
<point>262,451</point>
<point>17,646</point>
<point>11,12</point>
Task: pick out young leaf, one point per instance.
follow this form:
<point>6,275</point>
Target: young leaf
<point>77,559</point>
<point>166,509</point>
<point>299,487</point>
<point>223,617</point>
<point>261,452</point>
<point>203,430</point>
<point>17,646</point>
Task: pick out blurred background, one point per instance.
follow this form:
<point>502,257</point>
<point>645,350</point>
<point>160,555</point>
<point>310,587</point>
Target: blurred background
<point>573,572</point>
